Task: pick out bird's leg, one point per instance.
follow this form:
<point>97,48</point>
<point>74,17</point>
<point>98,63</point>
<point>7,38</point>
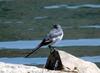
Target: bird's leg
<point>51,48</point>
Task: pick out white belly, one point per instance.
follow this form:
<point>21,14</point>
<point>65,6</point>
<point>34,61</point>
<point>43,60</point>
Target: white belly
<point>57,39</point>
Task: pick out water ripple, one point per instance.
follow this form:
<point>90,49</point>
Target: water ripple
<point>72,6</point>
<point>42,60</point>
<point>29,44</point>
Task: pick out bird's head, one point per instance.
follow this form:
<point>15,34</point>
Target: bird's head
<point>56,26</point>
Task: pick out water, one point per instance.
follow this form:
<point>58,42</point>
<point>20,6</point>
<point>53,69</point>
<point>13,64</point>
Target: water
<point>95,26</point>
<point>91,58</point>
<point>33,43</point>
<point>39,60</point>
<point>21,60</point>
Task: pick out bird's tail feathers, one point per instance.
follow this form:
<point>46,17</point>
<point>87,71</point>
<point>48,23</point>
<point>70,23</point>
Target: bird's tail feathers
<point>33,50</point>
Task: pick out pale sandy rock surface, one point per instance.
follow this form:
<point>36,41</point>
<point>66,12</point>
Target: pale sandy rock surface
<point>71,62</point>
<point>18,68</point>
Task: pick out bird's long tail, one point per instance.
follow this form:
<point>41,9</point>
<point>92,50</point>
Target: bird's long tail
<point>33,50</point>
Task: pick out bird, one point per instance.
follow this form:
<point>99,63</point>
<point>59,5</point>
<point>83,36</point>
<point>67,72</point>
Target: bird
<point>55,35</point>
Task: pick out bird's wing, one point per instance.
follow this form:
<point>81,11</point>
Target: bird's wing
<point>46,42</point>
<point>54,33</point>
<point>49,37</point>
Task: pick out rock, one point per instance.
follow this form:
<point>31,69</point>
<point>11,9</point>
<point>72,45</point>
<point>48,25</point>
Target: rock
<point>58,62</point>
<point>70,63</point>
<point>18,68</point>
<point>54,61</point>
